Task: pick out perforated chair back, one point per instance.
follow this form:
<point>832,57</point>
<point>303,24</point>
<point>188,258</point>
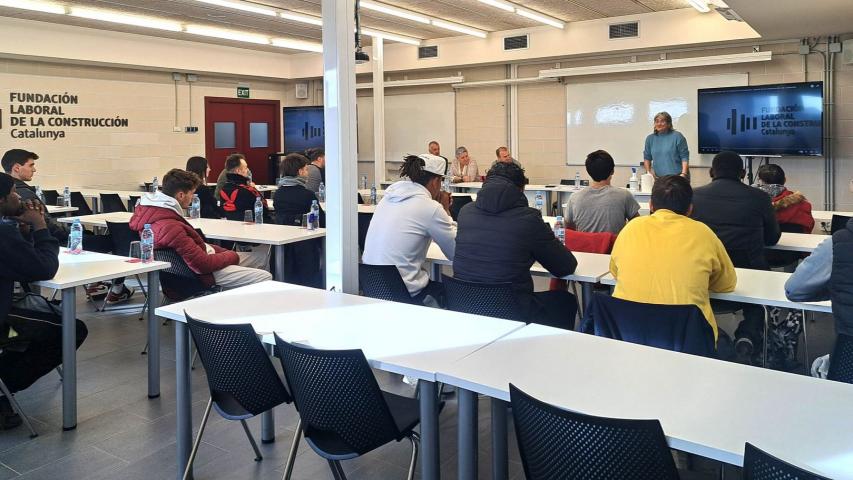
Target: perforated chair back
<point>839,222</point>
<point>179,282</point>
<point>456,204</point>
<point>78,201</point>
<point>134,199</point>
<point>496,300</point>
<point>556,444</point>
<point>342,408</point>
<point>112,202</point>
<point>759,465</point>
<point>121,235</point>
<point>383,282</point>
<point>50,196</point>
<point>841,360</point>
<point>241,377</point>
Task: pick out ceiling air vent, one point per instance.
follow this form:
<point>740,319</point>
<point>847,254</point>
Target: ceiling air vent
<point>625,30</point>
<point>428,52</point>
<point>515,43</point>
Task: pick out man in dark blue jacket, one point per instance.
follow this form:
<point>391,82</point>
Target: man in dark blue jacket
<point>499,238</point>
<point>28,252</point>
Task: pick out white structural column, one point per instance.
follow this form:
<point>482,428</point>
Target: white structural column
<point>378,110</point>
<point>341,160</point>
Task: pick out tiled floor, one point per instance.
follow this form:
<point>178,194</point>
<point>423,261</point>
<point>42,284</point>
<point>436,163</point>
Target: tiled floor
<point>123,435</point>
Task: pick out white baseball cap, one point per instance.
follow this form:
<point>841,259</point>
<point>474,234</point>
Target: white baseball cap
<point>434,164</point>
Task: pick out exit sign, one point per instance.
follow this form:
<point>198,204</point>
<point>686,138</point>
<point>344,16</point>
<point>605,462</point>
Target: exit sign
<point>242,92</point>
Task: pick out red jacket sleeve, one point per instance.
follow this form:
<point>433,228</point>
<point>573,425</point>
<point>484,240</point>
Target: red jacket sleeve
<point>191,248</point>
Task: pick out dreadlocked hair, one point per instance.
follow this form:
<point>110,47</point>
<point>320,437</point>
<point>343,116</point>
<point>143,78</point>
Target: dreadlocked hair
<point>413,169</point>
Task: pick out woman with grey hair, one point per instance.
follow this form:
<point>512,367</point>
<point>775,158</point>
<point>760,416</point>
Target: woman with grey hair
<point>665,152</point>
<point>463,168</point>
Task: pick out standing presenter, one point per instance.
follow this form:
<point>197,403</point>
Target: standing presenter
<point>666,151</point>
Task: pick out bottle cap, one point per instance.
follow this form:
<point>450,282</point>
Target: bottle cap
<point>147,225</point>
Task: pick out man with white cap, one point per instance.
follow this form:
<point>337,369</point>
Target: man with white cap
<point>413,212</point>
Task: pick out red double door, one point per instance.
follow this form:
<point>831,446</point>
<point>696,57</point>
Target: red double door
<point>250,127</point>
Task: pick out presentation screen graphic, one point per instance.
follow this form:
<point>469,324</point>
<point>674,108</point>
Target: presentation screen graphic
<point>303,129</point>
<point>782,119</point>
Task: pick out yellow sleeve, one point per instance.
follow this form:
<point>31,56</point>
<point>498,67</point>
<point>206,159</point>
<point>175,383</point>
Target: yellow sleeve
<point>723,276</point>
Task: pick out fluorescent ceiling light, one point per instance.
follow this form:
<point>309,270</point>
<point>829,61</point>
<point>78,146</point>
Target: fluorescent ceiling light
<point>244,6</point>
<point>125,19</point>
<point>391,36</point>
<point>458,28</point>
<point>500,4</point>
<point>227,34</point>
<point>298,17</point>
<point>37,6</point>
<point>701,5</point>
<point>397,12</point>
<point>297,45</point>
<point>538,17</point>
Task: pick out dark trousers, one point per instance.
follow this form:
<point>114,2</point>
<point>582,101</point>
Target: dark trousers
<point>555,308</point>
<point>752,325</point>
<point>434,290</point>
<point>35,351</point>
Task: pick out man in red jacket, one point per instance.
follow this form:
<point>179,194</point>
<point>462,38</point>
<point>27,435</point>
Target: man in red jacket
<point>164,211</point>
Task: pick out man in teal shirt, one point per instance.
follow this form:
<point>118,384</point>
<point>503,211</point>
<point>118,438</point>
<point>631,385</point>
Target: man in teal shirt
<point>665,151</point>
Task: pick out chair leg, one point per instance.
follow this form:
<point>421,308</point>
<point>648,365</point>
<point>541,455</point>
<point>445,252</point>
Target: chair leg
<point>806,365</point>
<point>258,456</point>
<point>416,440</point>
<point>766,329</point>
<point>144,350</point>
<point>104,304</point>
<point>144,295</point>
<point>197,442</point>
<point>192,362</point>
<point>294,446</point>
<point>17,408</point>
<point>337,470</point>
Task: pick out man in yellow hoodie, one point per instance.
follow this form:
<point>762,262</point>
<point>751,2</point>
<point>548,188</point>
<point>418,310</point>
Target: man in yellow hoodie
<point>668,258</point>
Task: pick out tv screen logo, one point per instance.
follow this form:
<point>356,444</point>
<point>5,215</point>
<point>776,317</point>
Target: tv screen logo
<point>746,123</point>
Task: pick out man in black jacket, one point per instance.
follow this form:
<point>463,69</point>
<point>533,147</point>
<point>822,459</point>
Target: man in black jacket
<point>500,237</point>
<point>744,220</point>
<point>239,193</point>
<point>28,348</point>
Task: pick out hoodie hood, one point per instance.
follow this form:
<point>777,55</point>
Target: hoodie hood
<point>498,195</point>
<point>161,200</point>
<point>403,190</point>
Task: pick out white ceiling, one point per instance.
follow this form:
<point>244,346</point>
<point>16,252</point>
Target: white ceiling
<point>786,19</point>
<point>467,12</point>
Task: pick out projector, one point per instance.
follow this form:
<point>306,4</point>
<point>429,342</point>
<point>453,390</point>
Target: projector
<point>361,57</point>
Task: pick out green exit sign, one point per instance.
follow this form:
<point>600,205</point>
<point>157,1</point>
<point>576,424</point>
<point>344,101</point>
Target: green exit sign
<point>242,92</point>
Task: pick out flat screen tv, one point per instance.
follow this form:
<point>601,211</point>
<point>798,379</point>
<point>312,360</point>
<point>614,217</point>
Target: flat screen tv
<point>303,128</point>
<point>780,119</point>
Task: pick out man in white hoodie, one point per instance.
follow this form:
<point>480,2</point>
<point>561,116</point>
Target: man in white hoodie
<point>413,212</point>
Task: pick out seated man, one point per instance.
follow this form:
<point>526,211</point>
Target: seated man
<point>164,211</point>
<point>238,194</point>
<point>21,165</point>
<point>29,348</point>
<point>316,172</point>
<point>413,212</point>
<point>744,220</point>
<point>502,156</point>
<point>791,208</point>
<point>667,258</point>
<point>600,207</point>
<point>500,237</point>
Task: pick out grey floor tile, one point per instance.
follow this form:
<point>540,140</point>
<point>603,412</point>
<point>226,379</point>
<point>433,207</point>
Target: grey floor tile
<point>83,464</point>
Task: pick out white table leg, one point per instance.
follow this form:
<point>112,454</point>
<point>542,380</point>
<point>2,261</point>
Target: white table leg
<point>500,465</point>
<point>184,397</point>
<point>69,358</point>
<point>430,462</point>
<point>153,335</point>
<point>467,434</point>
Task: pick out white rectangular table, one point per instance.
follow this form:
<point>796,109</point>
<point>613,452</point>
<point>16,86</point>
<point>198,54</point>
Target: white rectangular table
<point>91,267</point>
<point>799,242</point>
<point>56,210</point>
<point>706,407</point>
<point>267,234</point>
<point>395,337</point>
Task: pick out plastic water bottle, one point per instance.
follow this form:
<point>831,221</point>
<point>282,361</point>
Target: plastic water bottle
<point>373,194</point>
<point>259,211</point>
<point>560,230</point>
<point>195,207</point>
<point>40,195</point>
<point>634,181</point>
<point>364,182</point>
<point>147,244</point>
<point>445,184</point>
<point>321,192</point>
<point>66,196</point>
<point>155,185</point>
<point>540,202</point>
<point>314,216</point>
<point>75,239</point>
<point>577,180</point>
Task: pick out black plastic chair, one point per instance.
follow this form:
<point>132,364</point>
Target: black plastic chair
<point>456,204</point>
<point>841,360</point>
<point>179,282</point>
<point>131,202</point>
<point>112,202</point>
<point>344,413</point>
<point>839,222</point>
<point>242,380</point>
<point>495,300</point>
<point>16,407</point>
<point>383,282</point>
<point>78,201</point>
<point>556,444</point>
<point>760,465</point>
<point>50,197</point>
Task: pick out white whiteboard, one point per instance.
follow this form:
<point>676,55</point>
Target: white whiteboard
<point>411,121</point>
<point>617,116</point>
